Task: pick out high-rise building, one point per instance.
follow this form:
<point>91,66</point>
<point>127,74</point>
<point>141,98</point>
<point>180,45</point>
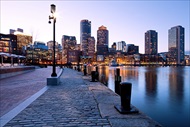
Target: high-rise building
<point>69,44</point>
<point>121,46</point>
<point>151,42</point>
<point>91,46</point>
<point>85,33</point>
<point>102,40</point>
<point>176,44</point>
<point>50,50</point>
<point>132,49</point>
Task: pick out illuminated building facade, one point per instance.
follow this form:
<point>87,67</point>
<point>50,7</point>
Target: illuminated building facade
<point>37,53</point>
<point>121,46</point>
<point>85,33</point>
<point>8,43</point>
<point>69,44</point>
<point>132,49</point>
<point>176,44</point>
<point>151,42</point>
<point>102,40</point>
<point>22,40</point>
<point>91,46</point>
<point>57,50</point>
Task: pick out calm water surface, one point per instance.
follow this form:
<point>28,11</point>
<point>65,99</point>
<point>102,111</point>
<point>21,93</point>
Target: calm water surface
<point>163,93</point>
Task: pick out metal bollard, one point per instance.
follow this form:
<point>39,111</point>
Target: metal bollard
<point>97,74</point>
<point>117,81</point>
<point>125,107</point>
<point>93,76</point>
<point>85,70</point>
<point>125,95</point>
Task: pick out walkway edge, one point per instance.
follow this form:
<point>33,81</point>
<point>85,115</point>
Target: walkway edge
<point>11,114</point>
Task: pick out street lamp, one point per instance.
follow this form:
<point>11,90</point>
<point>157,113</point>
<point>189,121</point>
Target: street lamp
<point>54,20</point>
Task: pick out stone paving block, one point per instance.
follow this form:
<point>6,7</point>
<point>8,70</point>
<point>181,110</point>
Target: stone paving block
<point>132,123</point>
<point>76,102</point>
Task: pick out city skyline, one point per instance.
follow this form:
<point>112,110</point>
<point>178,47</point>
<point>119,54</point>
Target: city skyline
<point>125,20</point>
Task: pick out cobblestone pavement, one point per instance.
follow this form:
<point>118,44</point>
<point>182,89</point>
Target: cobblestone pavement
<point>69,104</point>
<point>78,102</point>
<point>16,89</point>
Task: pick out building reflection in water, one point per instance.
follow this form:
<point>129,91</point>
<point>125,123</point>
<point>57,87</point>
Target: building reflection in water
<point>176,85</point>
<point>151,82</point>
<point>128,74</point>
<point>103,74</point>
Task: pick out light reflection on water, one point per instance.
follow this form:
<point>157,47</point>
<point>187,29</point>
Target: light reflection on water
<point>163,93</point>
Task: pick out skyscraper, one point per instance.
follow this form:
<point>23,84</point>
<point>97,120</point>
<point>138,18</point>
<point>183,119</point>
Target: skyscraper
<point>102,40</point>
<point>91,46</point>
<point>85,33</point>
<point>69,44</point>
<point>176,44</point>
<point>151,42</point>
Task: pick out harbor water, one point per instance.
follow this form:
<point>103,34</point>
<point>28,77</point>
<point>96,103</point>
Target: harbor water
<point>163,93</point>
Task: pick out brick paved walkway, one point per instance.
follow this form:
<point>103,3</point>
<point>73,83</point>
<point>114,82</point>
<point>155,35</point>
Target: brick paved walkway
<point>69,104</point>
<point>16,89</point>
<point>77,102</point>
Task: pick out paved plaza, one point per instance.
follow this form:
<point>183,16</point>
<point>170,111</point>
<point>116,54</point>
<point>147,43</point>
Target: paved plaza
<point>16,89</point>
<point>77,102</point>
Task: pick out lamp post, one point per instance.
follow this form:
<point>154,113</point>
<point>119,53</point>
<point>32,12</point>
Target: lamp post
<point>54,20</point>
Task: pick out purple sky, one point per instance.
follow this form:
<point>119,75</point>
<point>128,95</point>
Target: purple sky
<point>126,20</point>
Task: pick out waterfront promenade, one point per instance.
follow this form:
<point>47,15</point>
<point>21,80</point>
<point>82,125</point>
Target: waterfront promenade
<point>16,89</point>
<point>77,102</point>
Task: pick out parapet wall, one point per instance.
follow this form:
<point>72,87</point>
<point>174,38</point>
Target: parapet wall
<point>9,72</point>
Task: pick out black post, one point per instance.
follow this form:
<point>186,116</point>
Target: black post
<point>97,74</point>
<point>54,71</point>
<point>78,67</point>
<point>85,70</point>
<point>125,91</point>
<point>54,20</point>
<point>117,81</point>
<point>93,76</point>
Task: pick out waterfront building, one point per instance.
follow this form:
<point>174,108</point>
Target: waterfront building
<point>91,47</point>
<point>50,50</point>
<point>132,49</point>
<point>8,43</point>
<point>37,53</point>
<point>73,56</point>
<point>85,33</point>
<point>50,45</point>
<point>102,40</point>
<point>69,44</point>
<point>121,46</point>
<point>151,42</point>
<point>176,44</point>
<point>23,40</point>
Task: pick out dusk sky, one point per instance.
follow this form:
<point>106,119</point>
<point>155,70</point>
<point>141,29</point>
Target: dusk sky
<point>126,20</point>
